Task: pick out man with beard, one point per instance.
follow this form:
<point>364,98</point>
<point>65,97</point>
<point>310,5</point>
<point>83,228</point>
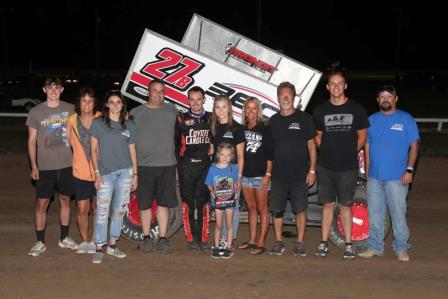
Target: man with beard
<point>391,153</point>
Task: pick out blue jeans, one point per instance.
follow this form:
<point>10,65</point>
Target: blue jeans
<point>114,191</point>
<point>380,196</point>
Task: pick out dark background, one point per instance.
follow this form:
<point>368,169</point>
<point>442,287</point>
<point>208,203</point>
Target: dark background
<point>377,42</point>
<point>361,34</point>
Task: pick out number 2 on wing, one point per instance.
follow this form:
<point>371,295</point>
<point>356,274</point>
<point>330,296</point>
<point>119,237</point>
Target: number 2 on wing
<point>173,68</point>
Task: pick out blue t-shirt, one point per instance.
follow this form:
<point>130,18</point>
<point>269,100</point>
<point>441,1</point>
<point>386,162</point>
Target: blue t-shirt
<point>222,180</point>
<point>389,138</point>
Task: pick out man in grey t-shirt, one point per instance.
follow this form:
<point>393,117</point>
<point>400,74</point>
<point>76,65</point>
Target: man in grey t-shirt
<point>155,122</point>
<point>51,161</point>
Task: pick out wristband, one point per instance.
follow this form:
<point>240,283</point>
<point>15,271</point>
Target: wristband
<point>268,174</point>
<point>97,171</point>
<point>409,169</point>
<point>312,171</point>
<point>240,175</point>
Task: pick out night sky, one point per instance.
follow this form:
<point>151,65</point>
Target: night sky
<point>361,35</point>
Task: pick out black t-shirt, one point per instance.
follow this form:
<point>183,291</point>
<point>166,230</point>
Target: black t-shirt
<point>233,135</point>
<point>258,150</point>
<point>290,135</point>
<point>339,125</point>
<point>193,135</point>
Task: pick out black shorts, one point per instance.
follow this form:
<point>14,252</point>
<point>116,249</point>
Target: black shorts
<point>192,180</point>
<point>298,194</point>
<point>84,189</point>
<point>51,180</point>
<point>336,185</point>
<point>157,183</point>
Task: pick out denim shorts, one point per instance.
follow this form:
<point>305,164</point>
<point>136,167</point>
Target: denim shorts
<point>254,182</point>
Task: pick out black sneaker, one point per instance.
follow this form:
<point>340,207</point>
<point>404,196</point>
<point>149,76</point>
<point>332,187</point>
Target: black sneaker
<point>227,253</point>
<point>322,250</point>
<point>299,249</point>
<point>278,248</point>
<point>147,245</point>
<point>349,252</point>
<point>215,253</point>
<point>164,245</point>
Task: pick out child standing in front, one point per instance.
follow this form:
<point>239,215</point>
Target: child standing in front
<point>222,181</point>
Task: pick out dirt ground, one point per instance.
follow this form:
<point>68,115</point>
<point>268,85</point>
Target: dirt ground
<point>59,273</point>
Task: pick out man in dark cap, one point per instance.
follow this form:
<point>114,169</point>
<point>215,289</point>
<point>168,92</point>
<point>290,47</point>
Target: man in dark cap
<point>391,152</point>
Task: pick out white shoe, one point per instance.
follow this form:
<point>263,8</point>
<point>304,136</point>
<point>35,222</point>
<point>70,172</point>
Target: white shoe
<point>115,252</point>
<point>403,256</point>
<point>91,248</point>
<point>82,248</point>
<point>37,249</point>
<point>97,258</point>
<point>68,243</point>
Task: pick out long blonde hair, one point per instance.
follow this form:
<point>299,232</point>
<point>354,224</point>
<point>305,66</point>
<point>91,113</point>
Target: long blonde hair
<point>260,118</point>
<point>215,121</point>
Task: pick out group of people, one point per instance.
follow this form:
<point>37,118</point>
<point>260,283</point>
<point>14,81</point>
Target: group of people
<point>101,157</point>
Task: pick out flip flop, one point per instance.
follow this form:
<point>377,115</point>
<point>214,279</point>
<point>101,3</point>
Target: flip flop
<point>246,245</point>
<point>257,250</point>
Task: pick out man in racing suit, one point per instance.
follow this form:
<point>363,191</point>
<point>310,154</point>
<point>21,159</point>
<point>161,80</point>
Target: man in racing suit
<point>193,152</point>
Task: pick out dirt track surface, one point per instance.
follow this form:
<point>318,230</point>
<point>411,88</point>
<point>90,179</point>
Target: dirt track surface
<point>59,273</point>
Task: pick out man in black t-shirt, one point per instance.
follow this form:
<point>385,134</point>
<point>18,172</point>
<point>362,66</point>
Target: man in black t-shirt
<point>193,150</point>
<point>341,125</point>
<point>294,166</point>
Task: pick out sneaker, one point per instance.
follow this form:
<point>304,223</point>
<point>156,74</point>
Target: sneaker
<point>191,246</point>
<point>227,253</point>
<point>215,253</point>
<point>369,253</point>
<point>82,248</point>
<point>37,249</point>
<point>115,252</point>
<point>349,253</point>
<point>322,250</point>
<point>299,249</point>
<point>222,243</point>
<point>91,248</point>
<point>147,245</point>
<point>278,248</point>
<point>403,256</point>
<point>68,243</point>
<point>164,245</point>
<point>97,258</point>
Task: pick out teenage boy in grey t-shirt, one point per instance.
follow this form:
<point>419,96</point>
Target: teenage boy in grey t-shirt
<point>155,122</point>
<point>51,160</point>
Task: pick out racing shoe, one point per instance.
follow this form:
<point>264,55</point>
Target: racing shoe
<point>349,252</point>
<point>278,248</point>
<point>322,250</point>
<point>68,242</point>
<point>299,249</point>
<point>37,249</point>
<point>191,246</point>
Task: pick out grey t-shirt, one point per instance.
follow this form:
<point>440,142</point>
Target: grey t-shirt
<point>155,135</point>
<point>53,148</point>
<point>113,144</point>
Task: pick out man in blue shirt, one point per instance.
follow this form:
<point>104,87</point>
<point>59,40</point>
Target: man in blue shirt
<point>391,152</point>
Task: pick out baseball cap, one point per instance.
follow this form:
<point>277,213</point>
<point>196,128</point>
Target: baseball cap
<point>389,88</point>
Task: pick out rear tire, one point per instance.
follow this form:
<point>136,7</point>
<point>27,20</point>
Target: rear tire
<point>132,228</point>
<point>360,223</point>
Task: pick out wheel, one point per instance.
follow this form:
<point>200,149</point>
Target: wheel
<point>360,223</point>
<point>132,227</point>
